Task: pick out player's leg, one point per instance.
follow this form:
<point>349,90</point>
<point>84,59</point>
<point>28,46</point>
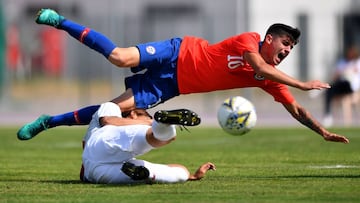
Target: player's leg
<point>155,173</point>
<point>122,57</point>
<point>79,117</point>
<point>161,173</point>
<point>135,172</point>
<point>338,88</point>
<point>163,128</point>
<point>111,173</point>
<point>160,134</point>
<point>130,172</point>
<point>328,119</point>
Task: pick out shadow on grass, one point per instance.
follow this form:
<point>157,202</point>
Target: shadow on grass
<point>243,177</point>
<point>73,182</point>
<point>78,182</point>
<point>64,182</point>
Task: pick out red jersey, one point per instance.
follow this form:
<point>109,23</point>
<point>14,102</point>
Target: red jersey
<point>204,68</point>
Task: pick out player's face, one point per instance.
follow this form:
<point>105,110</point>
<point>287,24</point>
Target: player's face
<point>143,117</point>
<point>139,115</point>
<point>281,48</point>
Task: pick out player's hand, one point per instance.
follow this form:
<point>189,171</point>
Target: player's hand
<point>200,173</point>
<point>335,138</point>
<point>207,166</point>
<point>314,85</point>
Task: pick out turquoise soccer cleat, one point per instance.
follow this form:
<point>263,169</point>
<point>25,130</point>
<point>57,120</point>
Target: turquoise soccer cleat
<point>30,130</point>
<point>49,17</point>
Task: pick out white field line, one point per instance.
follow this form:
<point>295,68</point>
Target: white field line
<point>334,166</point>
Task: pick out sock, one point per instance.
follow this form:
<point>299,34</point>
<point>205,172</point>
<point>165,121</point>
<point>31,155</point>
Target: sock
<point>163,132</point>
<point>90,38</point>
<point>79,117</point>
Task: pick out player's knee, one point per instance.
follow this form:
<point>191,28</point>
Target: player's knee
<point>163,132</point>
<point>125,57</point>
<point>116,58</point>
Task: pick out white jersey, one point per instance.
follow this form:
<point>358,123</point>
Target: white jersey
<point>111,144</point>
<point>108,147</point>
<point>114,144</point>
<point>105,109</point>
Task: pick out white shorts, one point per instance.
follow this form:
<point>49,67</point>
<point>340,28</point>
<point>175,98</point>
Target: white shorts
<point>113,145</point>
<point>108,147</point>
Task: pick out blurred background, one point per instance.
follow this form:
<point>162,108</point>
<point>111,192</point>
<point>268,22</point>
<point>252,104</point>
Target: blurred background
<point>43,70</point>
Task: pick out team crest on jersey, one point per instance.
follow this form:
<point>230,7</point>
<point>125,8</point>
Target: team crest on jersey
<point>150,50</point>
<point>258,77</point>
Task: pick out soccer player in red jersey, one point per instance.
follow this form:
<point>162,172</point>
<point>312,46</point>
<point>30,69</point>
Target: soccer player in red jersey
<point>190,65</point>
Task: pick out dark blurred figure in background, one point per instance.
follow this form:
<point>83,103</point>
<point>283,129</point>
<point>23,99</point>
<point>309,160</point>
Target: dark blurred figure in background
<point>345,84</point>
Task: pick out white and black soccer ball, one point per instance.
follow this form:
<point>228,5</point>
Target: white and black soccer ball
<point>237,115</point>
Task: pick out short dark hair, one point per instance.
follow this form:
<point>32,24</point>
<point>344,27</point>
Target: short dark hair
<point>138,112</point>
<point>282,29</point>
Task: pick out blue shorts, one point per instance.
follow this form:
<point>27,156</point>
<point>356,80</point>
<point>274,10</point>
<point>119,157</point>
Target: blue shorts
<point>159,83</point>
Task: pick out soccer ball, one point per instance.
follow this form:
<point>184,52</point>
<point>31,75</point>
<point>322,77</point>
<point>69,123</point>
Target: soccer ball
<point>237,115</point>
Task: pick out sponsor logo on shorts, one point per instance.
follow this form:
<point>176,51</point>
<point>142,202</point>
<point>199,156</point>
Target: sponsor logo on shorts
<point>150,50</point>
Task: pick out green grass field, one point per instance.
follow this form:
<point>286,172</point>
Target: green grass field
<point>266,165</point>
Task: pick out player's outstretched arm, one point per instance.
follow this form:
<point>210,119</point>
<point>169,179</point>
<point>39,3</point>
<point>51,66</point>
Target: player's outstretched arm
<point>315,85</point>
<point>304,117</point>
<point>118,121</point>
<point>269,72</point>
<point>201,171</point>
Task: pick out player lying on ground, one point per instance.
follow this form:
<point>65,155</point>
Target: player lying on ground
<point>112,142</point>
<point>190,65</point>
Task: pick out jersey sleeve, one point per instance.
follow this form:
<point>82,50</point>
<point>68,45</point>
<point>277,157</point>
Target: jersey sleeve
<point>280,92</point>
<point>105,109</point>
<point>108,109</point>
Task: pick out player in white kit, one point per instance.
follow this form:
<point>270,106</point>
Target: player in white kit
<point>113,140</point>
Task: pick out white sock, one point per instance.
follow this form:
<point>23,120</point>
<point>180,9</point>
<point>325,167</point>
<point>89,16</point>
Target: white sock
<point>163,132</point>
